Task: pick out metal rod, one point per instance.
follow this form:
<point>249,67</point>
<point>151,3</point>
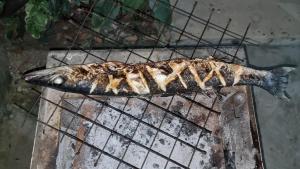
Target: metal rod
<point>182,33</point>
<point>189,35</point>
<point>223,33</point>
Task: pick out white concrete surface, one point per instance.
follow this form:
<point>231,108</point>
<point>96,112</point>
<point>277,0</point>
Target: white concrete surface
<point>278,119</point>
<point>272,21</point>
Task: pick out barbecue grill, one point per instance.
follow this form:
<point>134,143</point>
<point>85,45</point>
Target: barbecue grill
<point>215,129</point>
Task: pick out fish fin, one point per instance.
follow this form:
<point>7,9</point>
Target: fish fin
<point>277,83</point>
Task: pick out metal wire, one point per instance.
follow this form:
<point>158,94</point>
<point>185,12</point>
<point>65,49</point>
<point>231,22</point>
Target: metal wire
<point>167,112</point>
<point>182,32</point>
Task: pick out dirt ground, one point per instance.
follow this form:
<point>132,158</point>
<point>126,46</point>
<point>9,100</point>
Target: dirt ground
<point>16,128</point>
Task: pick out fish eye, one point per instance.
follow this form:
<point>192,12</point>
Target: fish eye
<point>58,80</point>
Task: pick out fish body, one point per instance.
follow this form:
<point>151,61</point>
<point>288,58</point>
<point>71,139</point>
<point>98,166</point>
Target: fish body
<point>164,77</point>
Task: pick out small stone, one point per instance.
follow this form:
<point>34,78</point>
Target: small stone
<point>65,27</point>
<point>11,116</point>
<point>98,40</point>
<point>131,39</point>
<point>19,89</point>
<point>58,36</point>
<point>68,37</point>
<point>83,36</point>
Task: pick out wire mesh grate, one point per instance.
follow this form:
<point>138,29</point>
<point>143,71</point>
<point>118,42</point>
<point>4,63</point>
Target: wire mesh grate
<point>156,132</point>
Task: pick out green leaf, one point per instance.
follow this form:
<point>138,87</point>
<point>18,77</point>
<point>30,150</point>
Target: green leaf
<point>59,8</point>
<point>161,10</point>
<point>97,21</point>
<point>37,17</point>
<point>104,7</point>
<point>103,15</point>
<point>131,5</point>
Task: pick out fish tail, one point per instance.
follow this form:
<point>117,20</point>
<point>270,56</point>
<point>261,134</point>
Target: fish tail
<point>277,82</point>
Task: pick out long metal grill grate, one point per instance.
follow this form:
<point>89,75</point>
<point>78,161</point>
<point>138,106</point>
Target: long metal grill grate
<point>155,132</point>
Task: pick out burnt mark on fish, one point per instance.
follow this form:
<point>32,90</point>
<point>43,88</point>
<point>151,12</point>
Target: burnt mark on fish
<point>203,69</point>
<point>188,76</point>
<point>227,74</point>
<point>213,81</point>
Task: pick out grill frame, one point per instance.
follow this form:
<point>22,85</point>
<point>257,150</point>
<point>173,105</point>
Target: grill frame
<point>174,48</point>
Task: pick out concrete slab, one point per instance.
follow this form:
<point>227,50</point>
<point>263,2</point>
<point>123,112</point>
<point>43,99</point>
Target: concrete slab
<point>272,21</point>
<point>16,140</point>
<point>279,120</point>
<point>130,136</point>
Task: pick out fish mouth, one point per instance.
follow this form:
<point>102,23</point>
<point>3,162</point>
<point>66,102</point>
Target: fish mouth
<point>31,74</point>
<point>32,77</point>
<point>39,76</point>
<point>28,77</point>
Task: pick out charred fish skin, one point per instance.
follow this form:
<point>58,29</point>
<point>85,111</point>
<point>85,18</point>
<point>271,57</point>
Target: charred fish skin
<point>165,77</point>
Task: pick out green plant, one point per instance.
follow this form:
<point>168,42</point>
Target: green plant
<point>104,8</point>
<point>41,14</point>
<point>37,17</point>
<point>161,10</point>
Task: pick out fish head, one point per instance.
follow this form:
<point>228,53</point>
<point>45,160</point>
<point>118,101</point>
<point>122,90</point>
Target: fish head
<point>65,78</point>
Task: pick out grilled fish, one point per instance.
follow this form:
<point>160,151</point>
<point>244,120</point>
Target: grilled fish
<point>164,77</point>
